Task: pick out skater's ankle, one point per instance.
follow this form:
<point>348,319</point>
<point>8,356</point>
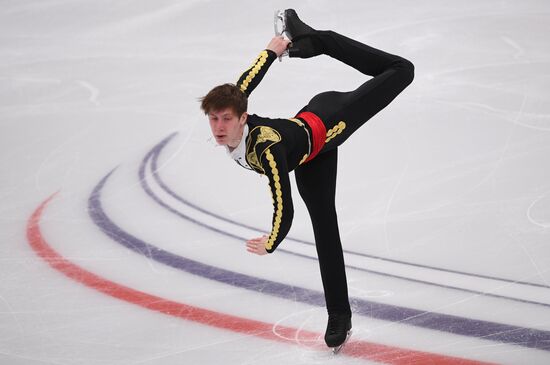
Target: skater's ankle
<point>339,312</point>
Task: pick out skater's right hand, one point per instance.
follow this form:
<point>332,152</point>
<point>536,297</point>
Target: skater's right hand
<point>278,45</point>
<point>257,245</point>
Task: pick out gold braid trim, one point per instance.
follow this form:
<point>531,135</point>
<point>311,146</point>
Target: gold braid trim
<point>266,134</point>
<point>299,122</point>
<point>255,69</point>
<point>336,130</point>
<point>278,200</point>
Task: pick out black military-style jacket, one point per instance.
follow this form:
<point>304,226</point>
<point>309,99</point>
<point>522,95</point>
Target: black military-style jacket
<point>274,147</point>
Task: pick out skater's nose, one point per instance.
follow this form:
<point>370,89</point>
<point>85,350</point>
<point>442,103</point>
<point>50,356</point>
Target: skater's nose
<point>216,124</point>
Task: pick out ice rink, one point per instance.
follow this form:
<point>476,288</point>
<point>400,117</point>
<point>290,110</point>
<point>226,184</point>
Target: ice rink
<point>122,224</point>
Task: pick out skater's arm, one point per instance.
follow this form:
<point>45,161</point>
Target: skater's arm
<point>275,168</point>
<point>252,77</point>
<point>283,211</point>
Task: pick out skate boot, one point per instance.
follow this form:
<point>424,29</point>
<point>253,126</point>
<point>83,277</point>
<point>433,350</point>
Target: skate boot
<point>295,28</point>
<point>338,331</point>
<point>303,44</point>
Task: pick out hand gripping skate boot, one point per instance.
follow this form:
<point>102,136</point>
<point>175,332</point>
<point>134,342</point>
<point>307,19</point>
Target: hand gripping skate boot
<point>338,331</point>
<point>302,35</point>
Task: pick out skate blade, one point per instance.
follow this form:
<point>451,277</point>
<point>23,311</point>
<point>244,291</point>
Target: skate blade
<point>279,22</point>
<point>280,27</point>
<point>336,350</point>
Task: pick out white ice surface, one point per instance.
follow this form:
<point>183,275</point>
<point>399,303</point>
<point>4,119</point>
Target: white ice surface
<point>454,174</point>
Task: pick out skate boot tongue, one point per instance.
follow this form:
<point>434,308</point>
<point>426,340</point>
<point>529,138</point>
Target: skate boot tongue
<point>337,329</point>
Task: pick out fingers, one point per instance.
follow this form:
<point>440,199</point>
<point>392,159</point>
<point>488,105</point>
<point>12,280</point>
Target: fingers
<point>256,249</point>
<point>278,44</point>
<point>283,40</point>
<point>256,245</point>
<point>253,245</point>
<point>255,240</point>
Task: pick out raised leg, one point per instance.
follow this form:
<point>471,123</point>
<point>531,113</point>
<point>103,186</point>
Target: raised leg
<point>390,73</point>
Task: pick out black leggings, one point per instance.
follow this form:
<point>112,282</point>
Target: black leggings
<point>316,180</point>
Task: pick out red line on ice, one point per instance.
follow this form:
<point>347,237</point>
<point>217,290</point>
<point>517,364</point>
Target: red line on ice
<point>359,349</point>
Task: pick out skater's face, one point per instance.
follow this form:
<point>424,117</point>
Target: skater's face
<point>227,127</point>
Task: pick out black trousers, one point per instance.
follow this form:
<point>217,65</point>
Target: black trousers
<point>316,180</point>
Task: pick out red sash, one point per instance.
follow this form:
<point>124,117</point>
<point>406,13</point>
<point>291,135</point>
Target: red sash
<point>319,132</point>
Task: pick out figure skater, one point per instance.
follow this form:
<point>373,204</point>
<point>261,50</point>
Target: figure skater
<point>307,144</point>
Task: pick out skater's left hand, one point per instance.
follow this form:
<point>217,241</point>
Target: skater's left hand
<point>257,245</point>
<point>278,44</point>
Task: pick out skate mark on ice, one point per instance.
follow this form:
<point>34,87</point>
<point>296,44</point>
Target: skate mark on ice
<point>534,221</point>
<point>94,92</point>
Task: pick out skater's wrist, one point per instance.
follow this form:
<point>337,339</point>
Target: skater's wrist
<point>271,56</point>
<point>271,53</point>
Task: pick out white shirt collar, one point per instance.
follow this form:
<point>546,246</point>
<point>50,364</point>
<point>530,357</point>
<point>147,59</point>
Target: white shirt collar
<point>239,153</point>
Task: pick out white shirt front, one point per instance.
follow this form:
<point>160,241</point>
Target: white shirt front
<point>239,153</point>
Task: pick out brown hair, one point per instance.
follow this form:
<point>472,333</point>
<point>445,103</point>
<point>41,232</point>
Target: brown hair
<point>225,96</point>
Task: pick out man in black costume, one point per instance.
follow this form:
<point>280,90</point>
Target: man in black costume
<point>307,143</point>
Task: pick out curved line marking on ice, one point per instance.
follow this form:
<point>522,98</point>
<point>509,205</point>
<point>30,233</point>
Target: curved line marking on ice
<point>154,154</point>
<point>526,337</point>
<point>152,157</point>
<point>359,349</point>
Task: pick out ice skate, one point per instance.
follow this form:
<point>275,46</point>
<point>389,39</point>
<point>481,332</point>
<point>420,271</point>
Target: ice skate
<point>337,349</point>
<point>338,331</point>
<point>303,44</point>
<point>294,27</point>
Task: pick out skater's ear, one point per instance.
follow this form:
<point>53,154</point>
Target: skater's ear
<point>242,118</point>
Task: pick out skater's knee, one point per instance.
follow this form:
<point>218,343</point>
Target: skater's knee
<point>406,70</point>
<point>410,71</point>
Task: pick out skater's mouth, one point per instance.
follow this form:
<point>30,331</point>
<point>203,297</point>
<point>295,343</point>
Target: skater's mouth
<point>219,137</point>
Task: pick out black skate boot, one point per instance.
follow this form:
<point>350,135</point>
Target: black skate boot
<point>295,28</point>
<point>338,331</point>
<point>304,44</point>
